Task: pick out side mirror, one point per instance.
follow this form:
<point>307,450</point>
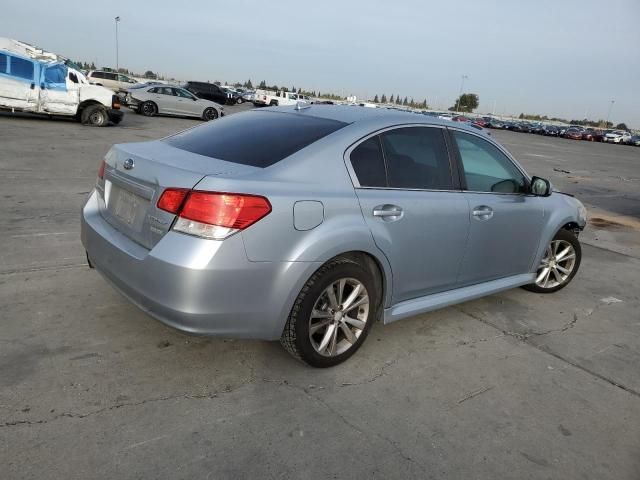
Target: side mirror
<point>540,187</point>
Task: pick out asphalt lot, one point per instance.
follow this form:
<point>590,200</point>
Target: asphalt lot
<point>516,385</point>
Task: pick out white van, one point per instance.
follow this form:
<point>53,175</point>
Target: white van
<point>32,80</point>
<point>115,81</point>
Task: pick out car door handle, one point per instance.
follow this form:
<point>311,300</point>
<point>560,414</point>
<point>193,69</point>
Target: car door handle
<point>482,212</point>
<point>388,212</point>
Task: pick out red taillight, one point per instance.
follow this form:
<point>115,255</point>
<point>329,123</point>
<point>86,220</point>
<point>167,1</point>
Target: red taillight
<point>103,164</point>
<point>213,214</point>
<point>229,210</point>
<point>171,199</point>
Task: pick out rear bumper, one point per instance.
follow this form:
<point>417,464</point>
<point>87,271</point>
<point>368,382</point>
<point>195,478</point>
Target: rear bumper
<point>194,285</point>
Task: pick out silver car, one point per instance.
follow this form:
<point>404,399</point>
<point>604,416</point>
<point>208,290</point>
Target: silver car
<point>322,221</point>
<point>171,100</point>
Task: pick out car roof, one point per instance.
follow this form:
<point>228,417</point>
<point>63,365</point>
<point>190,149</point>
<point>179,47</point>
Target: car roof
<point>356,114</point>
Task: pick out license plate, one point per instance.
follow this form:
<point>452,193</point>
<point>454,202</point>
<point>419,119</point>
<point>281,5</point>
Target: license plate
<point>126,207</point>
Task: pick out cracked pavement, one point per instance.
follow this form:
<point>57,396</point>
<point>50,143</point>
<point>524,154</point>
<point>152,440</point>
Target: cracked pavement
<point>515,385</point>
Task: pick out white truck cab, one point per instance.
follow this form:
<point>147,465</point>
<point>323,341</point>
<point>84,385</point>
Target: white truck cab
<point>35,81</point>
<point>279,98</point>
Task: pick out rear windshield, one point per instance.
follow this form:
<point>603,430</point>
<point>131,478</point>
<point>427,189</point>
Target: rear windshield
<point>258,139</point>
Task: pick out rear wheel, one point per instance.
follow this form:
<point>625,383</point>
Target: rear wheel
<point>559,264</point>
<point>240,100</point>
<point>209,114</point>
<point>332,315</point>
<point>148,109</point>
<point>94,116</point>
<point>274,103</point>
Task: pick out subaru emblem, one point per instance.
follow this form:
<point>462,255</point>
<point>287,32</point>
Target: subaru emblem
<point>128,164</point>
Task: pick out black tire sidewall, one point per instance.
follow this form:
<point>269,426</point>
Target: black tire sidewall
<point>88,112</point>
<point>150,114</point>
<point>311,292</point>
<point>206,118</point>
<point>570,237</point>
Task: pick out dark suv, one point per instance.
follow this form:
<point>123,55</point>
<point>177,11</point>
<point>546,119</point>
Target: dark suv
<point>211,91</point>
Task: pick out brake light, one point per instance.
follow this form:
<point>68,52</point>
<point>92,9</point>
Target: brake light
<point>103,164</point>
<point>115,102</point>
<point>213,215</point>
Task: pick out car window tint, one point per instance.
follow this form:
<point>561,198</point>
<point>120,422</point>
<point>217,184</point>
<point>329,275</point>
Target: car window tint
<point>21,68</point>
<point>368,163</point>
<point>486,168</point>
<point>3,63</point>
<point>111,76</point>
<point>273,137</point>
<point>166,91</point>
<point>417,158</point>
<point>55,74</point>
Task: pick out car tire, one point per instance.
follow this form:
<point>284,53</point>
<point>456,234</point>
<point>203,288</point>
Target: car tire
<point>316,331</point>
<point>94,116</point>
<point>558,268</point>
<point>209,114</point>
<point>274,103</point>
<point>239,100</point>
<point>148,109</point>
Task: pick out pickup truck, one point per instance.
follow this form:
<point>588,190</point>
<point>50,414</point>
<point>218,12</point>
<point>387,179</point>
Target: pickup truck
<point>33,80</point>
<point>273,99</point>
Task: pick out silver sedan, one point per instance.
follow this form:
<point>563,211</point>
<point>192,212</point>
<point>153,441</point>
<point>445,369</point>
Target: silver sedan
<point>322,221</point>
<point>171,100</point>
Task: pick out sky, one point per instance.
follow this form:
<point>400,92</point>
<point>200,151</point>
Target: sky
<point>563,58</point>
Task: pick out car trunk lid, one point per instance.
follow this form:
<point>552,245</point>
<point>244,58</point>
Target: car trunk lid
<point>135,176</point>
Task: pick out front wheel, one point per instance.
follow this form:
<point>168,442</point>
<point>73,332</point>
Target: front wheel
<point>240,100</point>
<point>332,315</point>
<point>148,109</point>
<point>94,116</point>
<point>210,114</point>
<point>559,264</point>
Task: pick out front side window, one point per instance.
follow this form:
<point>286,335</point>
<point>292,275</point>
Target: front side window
<point>417,158</point>
<point>124,78</point>
<point>182,93</point>
<point>486,168</point>
<point>3,63</point>
<point>21,68</point>
<point>368,163</point>
<point>55,74</point>
<point>111,76</point>
<point>97,75</point>
<point>166,91</point>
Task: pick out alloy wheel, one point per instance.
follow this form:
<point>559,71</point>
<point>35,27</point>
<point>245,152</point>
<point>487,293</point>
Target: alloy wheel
<point>338,317</point>
<point>557,264</point>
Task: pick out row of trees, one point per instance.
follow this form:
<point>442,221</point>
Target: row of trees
<point>585,122</point>
<point>398,100</point>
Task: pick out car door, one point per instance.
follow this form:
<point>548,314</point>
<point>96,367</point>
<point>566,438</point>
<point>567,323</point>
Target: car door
<point>167,101</point>
<point>18,84</point>
<point>187,103</point>
<point>59,93</point>
<point>409,198</point>
<point>505,220</point>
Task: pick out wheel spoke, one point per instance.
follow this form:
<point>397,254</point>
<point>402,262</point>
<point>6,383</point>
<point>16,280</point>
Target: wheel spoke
<point>341,285</point>
<point>556,274</point>
<point>562,254</point>
<point>568,257</point>
<point>320,314</point>
<point>334,341</point>
<point>317,326</point>
<point>563,270</point>
<point>352,296</point>
<point>364,299</point>
<point>355,322</point>
<point>333,301</point>
<point>328,335</point>
<point>554,247</point>
<point>348,334</point>
<point>546,279</point>
<point>542,274</point>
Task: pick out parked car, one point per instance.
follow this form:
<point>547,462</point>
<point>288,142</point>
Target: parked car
<point>115,81</point>
<point>279,98</point>
<point>494,123</point>
<point>293,232</point>
<point>592,135</point>
<point>481,122</point>
<point>35,81</point>
<point>550,131</point>
<point>171,100</point>
<point>212,92</point>
<point>618,136</point>
<point>235,94</point>
<point>635,140</point>
<point>573,134</point>
<point>249,95</point>
<point>461,118</point>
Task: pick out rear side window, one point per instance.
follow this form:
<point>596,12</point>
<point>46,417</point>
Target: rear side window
<point>417,158</point>
<point>3,63</point>
<point>368,163</point>
<point>258,139</point>
<point>97,75</point>
<point>21,68</point>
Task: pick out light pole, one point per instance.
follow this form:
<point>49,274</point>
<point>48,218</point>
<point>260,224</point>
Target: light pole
<point>464,77</point>
<point>117,59</point>
<point>606,125</point>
